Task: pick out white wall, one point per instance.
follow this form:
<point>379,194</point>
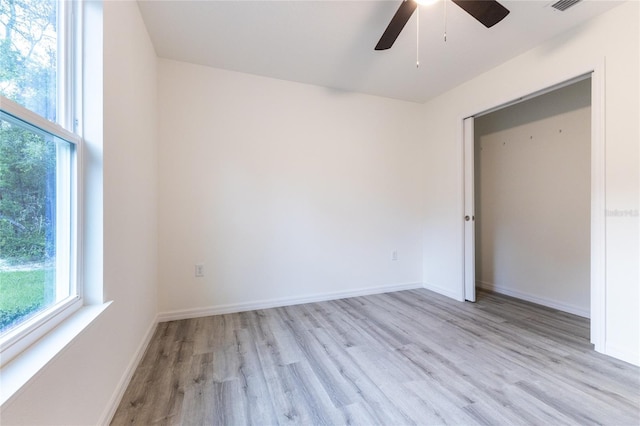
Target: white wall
<point>283,191</point>
<point>82,383</point>
<point>612,38</point>
<point>533,199</point>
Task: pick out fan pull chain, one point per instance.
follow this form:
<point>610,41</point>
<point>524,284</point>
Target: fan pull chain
<point>418,37</point>
<point>445,20</point>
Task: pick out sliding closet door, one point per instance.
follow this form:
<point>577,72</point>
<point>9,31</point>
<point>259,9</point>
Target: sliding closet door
<point>469,213</point>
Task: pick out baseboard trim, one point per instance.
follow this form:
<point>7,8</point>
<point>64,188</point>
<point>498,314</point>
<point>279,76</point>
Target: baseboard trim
<point>280,302</point>
<point>627,354</point>
<point>115,399</point>
<point>456,295</point>
<point>534,299</point>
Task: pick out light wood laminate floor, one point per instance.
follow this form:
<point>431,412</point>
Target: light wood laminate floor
<point>409,357</point>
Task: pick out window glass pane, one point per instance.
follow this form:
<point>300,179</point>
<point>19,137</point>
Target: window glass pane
<point>35,220</point>
<point>28,54</point>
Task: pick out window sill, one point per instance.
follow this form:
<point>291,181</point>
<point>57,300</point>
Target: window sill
<point>25,366</point>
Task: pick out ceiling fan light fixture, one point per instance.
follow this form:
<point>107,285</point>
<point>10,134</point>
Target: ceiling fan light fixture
<point>426,2</point>
<point>487,12</point>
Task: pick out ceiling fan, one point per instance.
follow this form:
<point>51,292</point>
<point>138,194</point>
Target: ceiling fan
<point>487,12</point>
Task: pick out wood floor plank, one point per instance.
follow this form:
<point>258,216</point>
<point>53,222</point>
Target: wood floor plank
<point>259,409</point>
<point>410,357</point>
<point>439,401</point>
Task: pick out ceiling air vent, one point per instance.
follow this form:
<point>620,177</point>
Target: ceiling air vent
<point>563,5</point>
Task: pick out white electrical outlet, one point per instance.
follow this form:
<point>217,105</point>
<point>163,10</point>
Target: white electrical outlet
<point>394,255</point>
<point>199,270</point>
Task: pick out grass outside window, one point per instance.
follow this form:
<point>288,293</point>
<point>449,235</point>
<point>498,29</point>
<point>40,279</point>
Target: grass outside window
<point>23,293</point>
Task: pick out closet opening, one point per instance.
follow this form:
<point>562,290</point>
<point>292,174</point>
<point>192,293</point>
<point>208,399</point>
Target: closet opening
<point>532,187</point>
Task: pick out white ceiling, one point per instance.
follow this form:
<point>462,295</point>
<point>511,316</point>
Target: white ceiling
<point>331,43</point>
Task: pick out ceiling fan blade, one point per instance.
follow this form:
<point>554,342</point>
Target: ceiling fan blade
<point>396,25</point>
<point>488,12</point>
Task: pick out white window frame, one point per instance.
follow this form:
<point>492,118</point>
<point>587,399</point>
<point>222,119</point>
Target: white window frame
<point>69,96</point>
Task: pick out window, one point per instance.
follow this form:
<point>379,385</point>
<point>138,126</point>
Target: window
<point>38,170</point>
